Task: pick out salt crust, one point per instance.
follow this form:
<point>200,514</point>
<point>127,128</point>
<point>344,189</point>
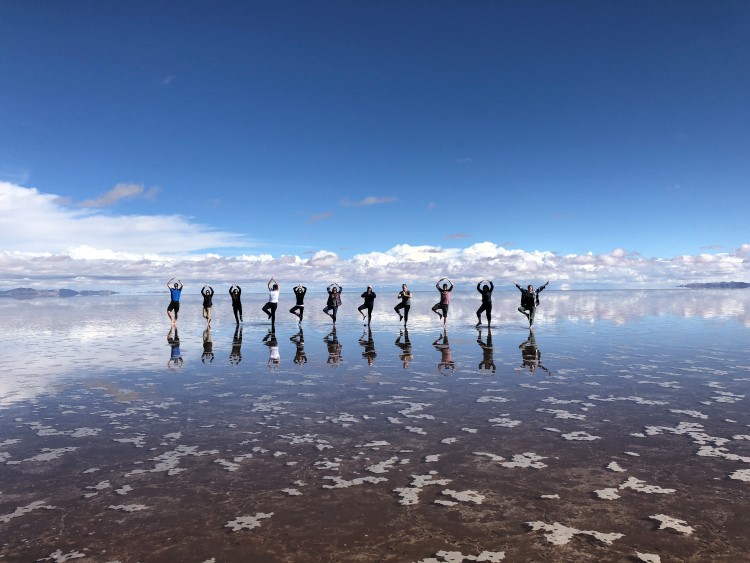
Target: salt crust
<point>458,557</point>
<point>469,430</point>
<point>48,454</point>
<point>647,557</point>
<point>416,430</point>
<point>557,534</point>
<point>124,490</point>
<point>632,454</point>
<point>637,400</point>
<point>667,522</point>
<point>60,557</point>
<point>560,413</point>
<point>247,522</point>
<point>524,460</point>
<point>431,458</point>
<point>581,436</point>
<point>444,502</point>
<point>21,510</point>
<point>741,475</point>
<point>614,466</point>
<point>169,461</point>
<point>694,414</point>
<point>464,496</point>
<point>491,399</point>
<point>128,507</point>
<point>449,440</point>
<point>410,495</point>
<point>340,483</point>
<point>637,485</point>
<point>291,492</point>
<point>386,465</point>
<point>607,494</point>
<point>504,422</point>
<point>550,497</point>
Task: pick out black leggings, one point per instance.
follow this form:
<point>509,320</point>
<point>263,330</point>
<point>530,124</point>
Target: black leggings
<point>406,308</point>
<point>270,310</point>
<point>334,309</point>
<point>441,309</point>
<point>300,308</point>
<point>369,311</point>
<point>485,307</point>
<point>237,309</point>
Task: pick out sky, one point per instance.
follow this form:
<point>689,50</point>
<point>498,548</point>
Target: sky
<point>595,144</point>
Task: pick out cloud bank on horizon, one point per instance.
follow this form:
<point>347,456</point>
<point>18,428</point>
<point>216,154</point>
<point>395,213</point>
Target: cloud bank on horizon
<point>44,241</point>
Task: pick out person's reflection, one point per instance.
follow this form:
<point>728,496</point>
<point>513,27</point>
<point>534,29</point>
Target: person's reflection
<point>274,357</point>
<point>235,356</point>
<point>531,357</point>
<point>446,366</point>
<point>208,347</point>
<point>334,348</point>
<point>369,345</point>
<point>406,355</point>
<point>175,356</point>
<point>488,352</point>
<point>299,341</point>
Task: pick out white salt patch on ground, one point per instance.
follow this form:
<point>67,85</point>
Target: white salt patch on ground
<point>694,414</point>
<point>247,522</point>
<point>416,430</point>
<point>91,470</point>
<point>60,557</point>
<point>9,442</point>
<point>504,422</point>
<point>125,489</point>
<point>469,430</point>
<point>741,437</point>
<point>632,454</point>
<point>563,414</point>
<point>47,454</point>
<point>741,475</point>
<point>138,441</point>
<point>580,435</point>
<point>128,507</point>
<point>444,502</point>
<point>375,444</point>
<point>291,492</point>
<point>614,466</point>
<point>637,400</point>
<point>647,557</point>
<point>410,495</point>
<point>431,458</point>
<point>524,460</point>
<point>384,466</point>
<point>449,440</point>
<point>558,534</point>
<point>394,420</point>
<point>667,522</point>
<point>173,436</point>
<point>228,465</point>
<point>637,485</point>
<point>340,483</point>
<point>550,497</point>
<point>464,496</point>
<point>607,494</point>
<point>328,465</point>
<point>100,486</point>
<point>170,461</point>
<point>21,510</point>
<point>491,399</point>
<point>458,557</point>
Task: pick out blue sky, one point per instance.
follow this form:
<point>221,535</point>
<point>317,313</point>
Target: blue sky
<point>291,128</point>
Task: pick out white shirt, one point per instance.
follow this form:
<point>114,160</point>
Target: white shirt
<point>273,296</point>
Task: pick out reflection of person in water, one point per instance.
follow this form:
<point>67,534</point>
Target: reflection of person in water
<point>274,357</point>
<point>488,352</point>
<point>235,356</point>
<point>446,366</point>
<point>369,345</point>
<point>334,348</point>
<point>299,341</point>
<point>531,357</point>
<point>175,356</point>
<point>208,347</point>
<point>406,354</point>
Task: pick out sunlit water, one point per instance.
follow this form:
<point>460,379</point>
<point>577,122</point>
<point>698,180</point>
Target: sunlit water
<point>121,441</point>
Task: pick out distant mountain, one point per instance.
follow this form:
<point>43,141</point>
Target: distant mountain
<point>717,285</point>
<point>29,293</point>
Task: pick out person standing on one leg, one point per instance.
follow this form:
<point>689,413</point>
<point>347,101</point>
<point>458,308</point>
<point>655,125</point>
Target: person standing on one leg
<point>174,303</point>
<point>299,294</point>
<point>234,292</point>
<point>369,297</point>
<point>486,291</point>
<point>441,308</point>
<point>334,300</point>
<point>529,301</point>
<point>208,294</point>
<point>405,296</point>
<point>273,300</point>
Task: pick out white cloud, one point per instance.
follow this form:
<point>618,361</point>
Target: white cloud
<point>369,200</point>
<point>319,217</point>
<point>120,191</point>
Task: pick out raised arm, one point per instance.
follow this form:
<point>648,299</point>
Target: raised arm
<point>450,283</point>
<point>518,286</point>
<point>541,288</point>
<point>179,281</point>
<point>170,282</point>
<point>492,286</point>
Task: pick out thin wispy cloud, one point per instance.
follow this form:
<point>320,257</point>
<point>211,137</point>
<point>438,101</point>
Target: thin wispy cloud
<point>167,80</point>
<point>464,160</point>
<point>118,193</point>
<point>319,217</point>
<point>369,200</point>
<point>432,205</point>
<point>457,236</point>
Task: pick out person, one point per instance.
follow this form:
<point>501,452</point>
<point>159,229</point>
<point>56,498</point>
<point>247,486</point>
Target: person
<point>406,354</point>
<point>273,300</point>
<point>175,356</point>
<point>299,308</point>
<point>208,346</point>
<point>274,357</point>
<point>334,348</point>
<point>334,300</point>
<point>446,365</point>
<point>441,308</point>
<point>235,356</point>
<point>529,301</point>
<point>208,294</point>
<point>405,296</point>
<point>531,356</point>
<point>369,297</point>
<point>488,352</point>
<point>369,346</point>
<point>174,303</point>
<point>300,357</point>
<point>234,292</point>
<point>486,291</point>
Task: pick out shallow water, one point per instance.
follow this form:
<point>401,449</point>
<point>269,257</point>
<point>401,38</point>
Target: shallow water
<point>360,447</point>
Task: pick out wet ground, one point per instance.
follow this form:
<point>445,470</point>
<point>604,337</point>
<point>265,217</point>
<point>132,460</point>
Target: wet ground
<point>618,431</point>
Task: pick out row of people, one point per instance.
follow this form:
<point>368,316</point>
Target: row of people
<point>529,301</point>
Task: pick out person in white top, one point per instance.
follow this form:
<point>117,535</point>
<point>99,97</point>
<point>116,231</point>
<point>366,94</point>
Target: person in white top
<point>273,300</point>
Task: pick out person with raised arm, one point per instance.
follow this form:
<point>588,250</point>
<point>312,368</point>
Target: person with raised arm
<point>406,354</point>
<point>273,300</point>
<point>235,291</point>
<point>488,352</point>
<point>300,357</point>
<point>174,303</point>
<point>175,356</point>
<point>274,356</point>
<point>235,356</point>
<point>368,343</point>
<point>299,307</point>
<point>208,347</point>
<point>334,347</point>
<point>405,305</point>
<point>446,365</point>
<point>208,294</point>
<point>441,307</point>
<point>486,291</point>
<point>334,300</point>
<point>529,301</point>
<point>531,356</point>
<point>369,297</point>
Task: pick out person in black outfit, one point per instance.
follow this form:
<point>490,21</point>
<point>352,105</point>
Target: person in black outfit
<point>208,294</point>
<point>486,291</point>
<point>299,307</point>
<point>529,301</point>
<point>208,347</point>
<point>531,356</point>
<point>369,297</point>
<point>334,300</point>
<point>235,291</point>
<point>406,354</point>
<point>334,348</point>
<point>369,345</point>
<point>405,296</point>
<point>446,365</point>
<point>235,356</point>
<point>488,352</point>
<point>300,357</point>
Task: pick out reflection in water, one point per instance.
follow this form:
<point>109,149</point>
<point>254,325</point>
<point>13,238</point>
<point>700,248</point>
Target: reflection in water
<point>235,356</point>
<point>299,341</point>
<point>531,356</point>
<point>446,366</point>
<point>175,356</point>
<point>334,348</point>
<point>406,354</point>
<point>488,352</point>
<point>274,357</point>
<point>369,346</point>
<point>208,347</point>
